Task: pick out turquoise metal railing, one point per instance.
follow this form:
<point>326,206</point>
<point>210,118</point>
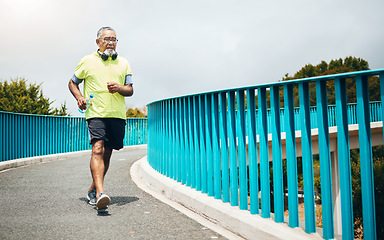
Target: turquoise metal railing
<point>211,142</point>
<point>375,109</point>
<point>27,135</point>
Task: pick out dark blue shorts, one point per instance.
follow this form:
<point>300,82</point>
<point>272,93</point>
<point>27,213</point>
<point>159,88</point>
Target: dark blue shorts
<point>110,130</point>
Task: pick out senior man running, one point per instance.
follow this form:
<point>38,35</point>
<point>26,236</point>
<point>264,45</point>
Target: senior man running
<point>108,78</point>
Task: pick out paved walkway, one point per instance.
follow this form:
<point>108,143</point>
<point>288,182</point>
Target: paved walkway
<point>48,201</point>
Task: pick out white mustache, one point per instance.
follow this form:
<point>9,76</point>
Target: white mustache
<point>109,52</point>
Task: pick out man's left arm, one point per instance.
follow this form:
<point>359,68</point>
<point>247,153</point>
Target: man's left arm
<point>125,90</point>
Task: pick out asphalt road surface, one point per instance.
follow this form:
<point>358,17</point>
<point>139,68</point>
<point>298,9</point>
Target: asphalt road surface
<point>48,201</point>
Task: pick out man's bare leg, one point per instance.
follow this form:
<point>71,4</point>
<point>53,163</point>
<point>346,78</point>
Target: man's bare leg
<point>99,165</point>
<point>106,160</point>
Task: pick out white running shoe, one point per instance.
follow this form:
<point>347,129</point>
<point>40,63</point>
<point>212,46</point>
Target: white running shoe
<point>91,196</point>
<point>103,201</point>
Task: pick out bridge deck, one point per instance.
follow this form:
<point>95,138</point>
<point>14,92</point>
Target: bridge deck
<point>48,201</point>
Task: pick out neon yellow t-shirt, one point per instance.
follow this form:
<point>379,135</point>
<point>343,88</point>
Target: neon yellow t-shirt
<point>96,73</point>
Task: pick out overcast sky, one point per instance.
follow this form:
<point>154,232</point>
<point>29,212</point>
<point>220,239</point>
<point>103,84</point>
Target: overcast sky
<point>178,47</point>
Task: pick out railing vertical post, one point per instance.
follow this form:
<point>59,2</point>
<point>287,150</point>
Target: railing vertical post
<point>41,135</point>
<point>76,134</point>
<point>233,149</point>
<point>129,133</point>
<point>136,131</point>
<point>6,137</point>
<point>252,153</point>
<point>307,159</point>
<point>11,149</point>
<point>208,135</point>
<point>203,155</point>
<point>151,127</point>
<point>366,162</point>
<point>16,136</point>
<point>32,143</point>
<point>264,154</point>
<point>167,130</point>
<point>191,144</point>
<point>57,121</point>
<point>184,163</point>
<point>242,151</point>
<point>26,135</point>
<point>197,142</point>
<point>137,124</point>
<point>156,137</point>
<point>216,146</point>
<point>24,142</point>
<point>181,139</point>
<point>11,139</point>
<point>36,143</point>
<point>22,135</point>
<point>151,124</point>
<point>72,134</point>
<point>278,187</point>
<point>166,139</point>
<point>46,136</point>
<point>32,127</point>
<point>2,135</point>
<point>176,138</point>
<point>382,97</point>
<point>293,201</point>
<point>325,159</point>
<point>224,146</point>
<point>343,149</point>
<point>156,141</point>
<point>171,141</point>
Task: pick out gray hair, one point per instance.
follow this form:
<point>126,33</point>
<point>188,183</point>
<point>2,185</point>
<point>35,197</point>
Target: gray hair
<point>101,30</point>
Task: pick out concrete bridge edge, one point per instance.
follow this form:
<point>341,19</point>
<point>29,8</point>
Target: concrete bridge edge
<point>236,222</point>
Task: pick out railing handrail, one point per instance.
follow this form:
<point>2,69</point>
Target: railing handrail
<point>295,81</point>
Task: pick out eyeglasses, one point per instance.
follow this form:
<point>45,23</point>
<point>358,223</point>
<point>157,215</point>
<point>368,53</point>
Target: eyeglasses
<point>108,39</point>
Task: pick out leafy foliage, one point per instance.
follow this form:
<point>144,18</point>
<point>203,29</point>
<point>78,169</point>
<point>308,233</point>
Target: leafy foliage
<point>19,97</point>
<point>349,64</point>
<point>378,173</point>
<point>136,113</point>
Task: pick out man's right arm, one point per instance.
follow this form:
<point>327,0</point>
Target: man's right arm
<point>75,90</point>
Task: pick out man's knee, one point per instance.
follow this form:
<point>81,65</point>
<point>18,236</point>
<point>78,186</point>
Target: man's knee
<point>98,147</point>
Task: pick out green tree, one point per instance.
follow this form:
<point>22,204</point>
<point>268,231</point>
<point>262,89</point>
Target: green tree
<point>349,64</point>
<point>136,113</point>
<point>19,97</point>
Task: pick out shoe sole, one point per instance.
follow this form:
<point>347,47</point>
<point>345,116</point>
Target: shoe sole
<point>103,202</point>
<point>89,201</point>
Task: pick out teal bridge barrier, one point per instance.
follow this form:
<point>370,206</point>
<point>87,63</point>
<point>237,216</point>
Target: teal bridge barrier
<point>192,140</point>
<point>27,135</point>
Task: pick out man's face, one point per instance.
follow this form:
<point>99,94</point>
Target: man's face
<point>106,41</point>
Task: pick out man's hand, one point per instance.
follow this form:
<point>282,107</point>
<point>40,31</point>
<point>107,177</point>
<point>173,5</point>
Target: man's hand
<point>82,103</point>
<point>113,87</point>
<point>126,90</point>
